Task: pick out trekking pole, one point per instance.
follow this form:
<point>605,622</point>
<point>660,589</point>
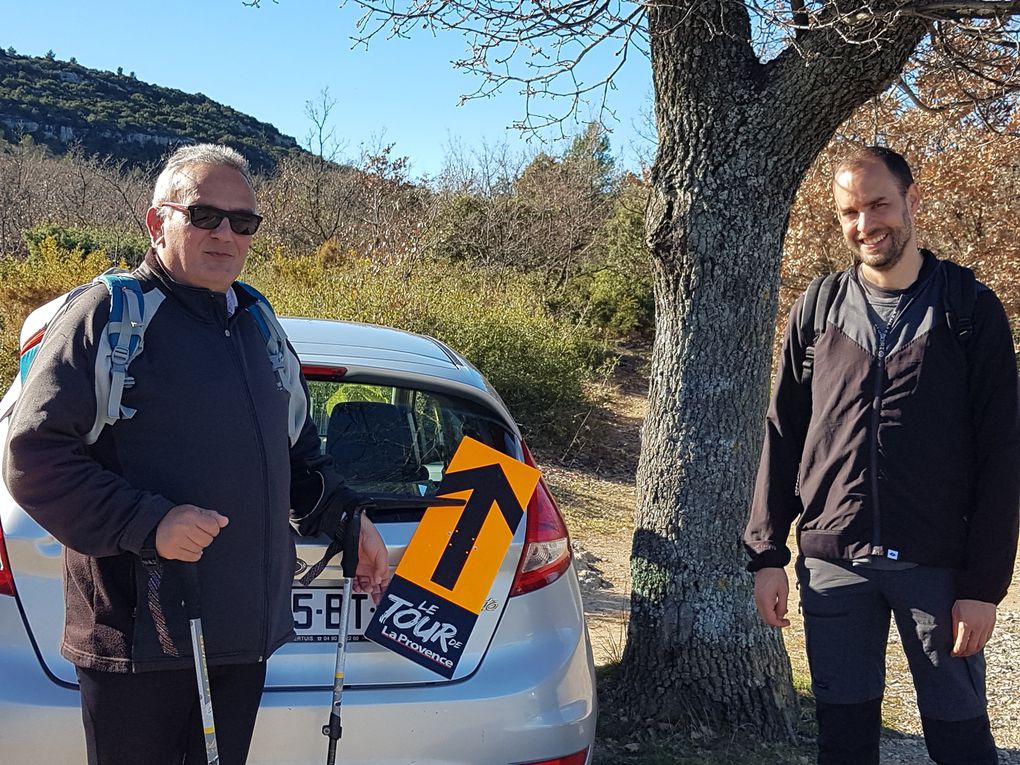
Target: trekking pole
<point>351,535</point>
<point>193,608</point>
<point>349,566</point>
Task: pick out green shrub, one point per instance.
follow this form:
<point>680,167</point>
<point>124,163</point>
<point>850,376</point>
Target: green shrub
<point>540,366</point>
<point>621,294</point>
<point>613,290</point>
<point>27,284</point>
<point>118,244</point>
<point>622,302</point>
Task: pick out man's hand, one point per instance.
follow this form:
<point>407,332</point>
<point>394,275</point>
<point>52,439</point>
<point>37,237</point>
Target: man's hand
<point>973,622</point>
<point>186,531</point>
<point>373,575</point>
<point>771,593</point>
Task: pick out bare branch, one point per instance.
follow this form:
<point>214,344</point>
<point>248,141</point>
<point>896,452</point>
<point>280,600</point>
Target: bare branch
<point>962,9</point>
<point>320,139</point>
<point>545,50</point>
<point>919,103</point>
<point>533,46</point>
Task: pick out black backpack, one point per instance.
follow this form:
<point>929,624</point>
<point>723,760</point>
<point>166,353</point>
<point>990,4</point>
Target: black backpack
<point>960,294</point>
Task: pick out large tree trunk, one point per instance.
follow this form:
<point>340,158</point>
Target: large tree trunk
<point>735,138</point>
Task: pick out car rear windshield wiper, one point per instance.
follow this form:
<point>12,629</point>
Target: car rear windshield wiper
<point>379,503</point>
<point>395,508</point>
<point>384,503</point>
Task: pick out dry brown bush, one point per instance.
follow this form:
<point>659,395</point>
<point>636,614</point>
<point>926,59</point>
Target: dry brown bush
<point>969,177</point>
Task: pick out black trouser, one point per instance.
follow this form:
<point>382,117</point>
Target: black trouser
<point>847,613</point>
<point>154,718</point>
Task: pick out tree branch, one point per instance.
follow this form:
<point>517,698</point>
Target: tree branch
<point>545,48</point>
<point>961,9</point>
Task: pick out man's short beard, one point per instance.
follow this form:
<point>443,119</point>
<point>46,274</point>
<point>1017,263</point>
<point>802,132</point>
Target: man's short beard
<point>897,246</point>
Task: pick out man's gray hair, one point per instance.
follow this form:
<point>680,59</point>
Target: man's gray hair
<point>172,185</point>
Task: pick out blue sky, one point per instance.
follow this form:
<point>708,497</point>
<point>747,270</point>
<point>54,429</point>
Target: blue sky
<point>268,62</point>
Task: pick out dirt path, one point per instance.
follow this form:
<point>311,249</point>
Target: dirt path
<point>594,485</point>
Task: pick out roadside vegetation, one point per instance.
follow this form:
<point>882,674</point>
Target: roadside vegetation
<point>532,267</point>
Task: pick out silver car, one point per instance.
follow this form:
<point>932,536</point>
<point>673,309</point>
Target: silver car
<point>391,408</point>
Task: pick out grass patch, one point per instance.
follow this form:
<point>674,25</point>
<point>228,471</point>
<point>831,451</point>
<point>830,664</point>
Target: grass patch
<point>588,503</point>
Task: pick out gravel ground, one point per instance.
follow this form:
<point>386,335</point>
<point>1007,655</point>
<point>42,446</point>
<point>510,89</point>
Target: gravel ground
<point>600,563</point>
<point>1002,656</point>
<point>596,491</point>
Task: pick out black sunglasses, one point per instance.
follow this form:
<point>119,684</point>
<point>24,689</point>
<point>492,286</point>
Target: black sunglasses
<point>209,218</point>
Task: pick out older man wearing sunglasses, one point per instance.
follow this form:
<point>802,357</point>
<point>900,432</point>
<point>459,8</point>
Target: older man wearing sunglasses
<point>204,472</point>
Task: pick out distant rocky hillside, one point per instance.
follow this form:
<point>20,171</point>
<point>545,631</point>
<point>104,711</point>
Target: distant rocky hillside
<point>61,103</point>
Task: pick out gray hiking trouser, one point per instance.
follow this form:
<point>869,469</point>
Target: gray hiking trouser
<point>846,623</point>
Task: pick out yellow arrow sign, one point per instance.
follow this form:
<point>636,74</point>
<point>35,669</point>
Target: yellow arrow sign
<point>456,555</point>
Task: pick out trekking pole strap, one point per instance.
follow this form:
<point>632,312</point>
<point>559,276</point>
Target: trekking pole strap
<point>349,563</point>
<point>345,540</point>
<point>192,591</point>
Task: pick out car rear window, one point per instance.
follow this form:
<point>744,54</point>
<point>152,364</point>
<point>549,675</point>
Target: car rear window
<point>396,439</point>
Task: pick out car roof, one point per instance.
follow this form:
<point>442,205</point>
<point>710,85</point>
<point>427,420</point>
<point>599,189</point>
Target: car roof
<point>372,351</point>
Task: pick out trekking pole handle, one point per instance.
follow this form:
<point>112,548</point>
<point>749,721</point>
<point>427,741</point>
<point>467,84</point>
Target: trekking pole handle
<point>352,536</point>
<point>192,591</point>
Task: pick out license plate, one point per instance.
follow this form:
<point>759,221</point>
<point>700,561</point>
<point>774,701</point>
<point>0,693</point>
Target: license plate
<point>317,614</point>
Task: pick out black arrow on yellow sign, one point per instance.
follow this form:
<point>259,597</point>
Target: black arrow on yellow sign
<point>488,484</point>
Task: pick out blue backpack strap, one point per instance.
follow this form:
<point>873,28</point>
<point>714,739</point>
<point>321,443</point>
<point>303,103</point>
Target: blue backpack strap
<point>285,364</point>
<point>253,292</point>
<point>127,311</point>
<point>276,343</point>
<point>130,312</point>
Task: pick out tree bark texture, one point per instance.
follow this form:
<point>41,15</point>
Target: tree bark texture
<point>735,138</point>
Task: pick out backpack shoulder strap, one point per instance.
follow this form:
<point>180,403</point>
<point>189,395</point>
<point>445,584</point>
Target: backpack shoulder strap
<point>960,296</point>
<point>124,332</point>
<point>262,312</point>
<point>131,310</point>
<point>814,314</point>
<point>286,365</point>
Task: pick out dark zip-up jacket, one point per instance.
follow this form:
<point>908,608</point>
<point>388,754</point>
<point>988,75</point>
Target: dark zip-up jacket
<point>906,450</point>
<point>210,430</point>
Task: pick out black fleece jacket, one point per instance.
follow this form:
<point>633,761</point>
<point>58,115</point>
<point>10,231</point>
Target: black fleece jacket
<point>908,452</point>
<point>210,430</point>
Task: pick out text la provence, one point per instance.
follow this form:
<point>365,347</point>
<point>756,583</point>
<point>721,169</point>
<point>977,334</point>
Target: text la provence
<point>422,624</point>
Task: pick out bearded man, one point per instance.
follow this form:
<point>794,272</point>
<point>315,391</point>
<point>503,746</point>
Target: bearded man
<point>892,434</point>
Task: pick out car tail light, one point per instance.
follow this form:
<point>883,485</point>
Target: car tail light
<point>6,577</point>
<point>578,758</point>
<point>546,545</point>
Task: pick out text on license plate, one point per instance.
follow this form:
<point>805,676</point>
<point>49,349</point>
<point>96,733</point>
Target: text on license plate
<point>317,614</point>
